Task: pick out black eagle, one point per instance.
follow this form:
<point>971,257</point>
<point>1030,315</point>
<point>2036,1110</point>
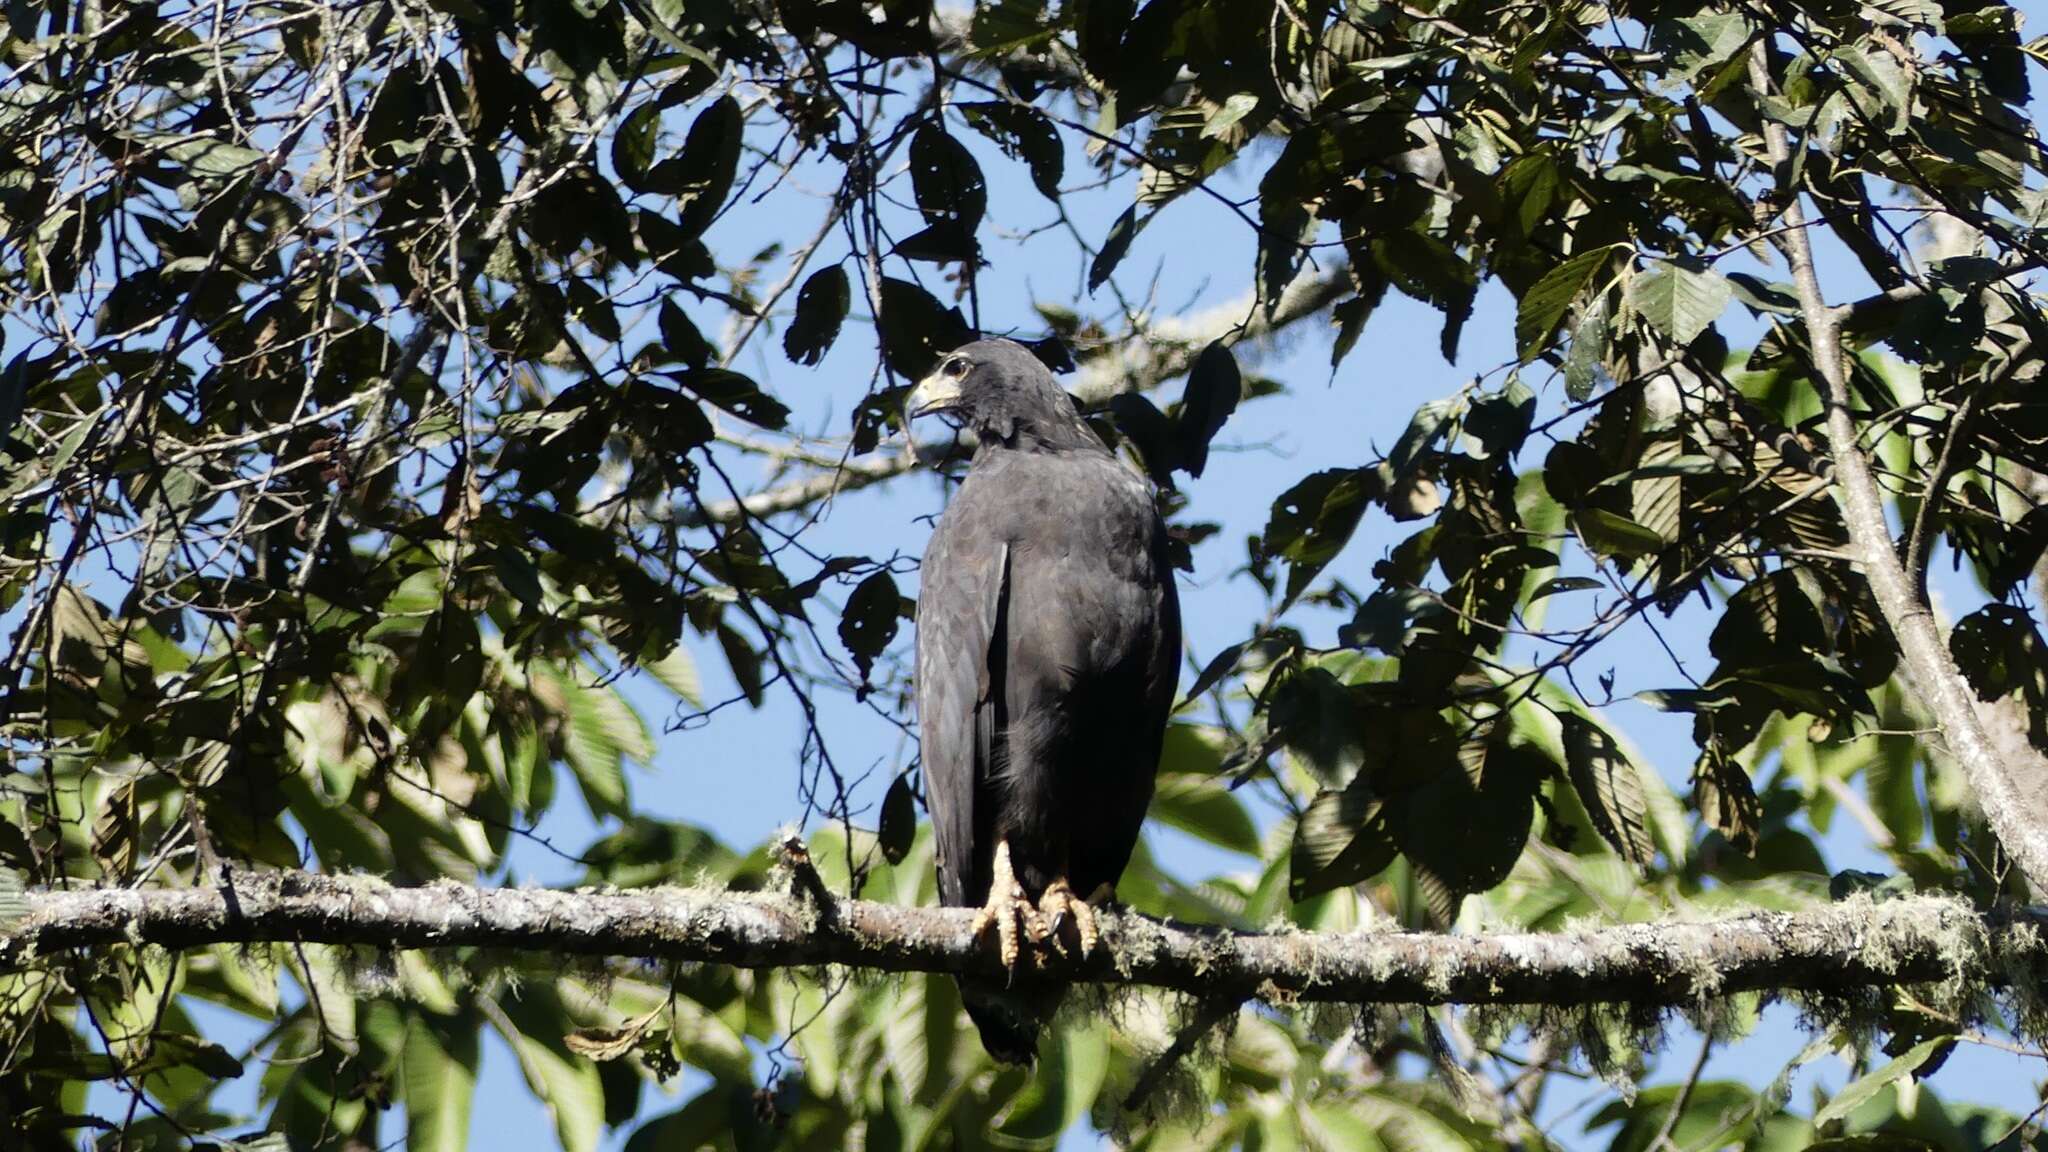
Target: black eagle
<point>1048,654</point>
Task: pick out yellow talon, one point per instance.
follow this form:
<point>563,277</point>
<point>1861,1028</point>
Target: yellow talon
<point>1056,905</point>
<point>1008,910</point>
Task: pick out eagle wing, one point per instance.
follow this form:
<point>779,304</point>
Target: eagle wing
<point>961,603</point>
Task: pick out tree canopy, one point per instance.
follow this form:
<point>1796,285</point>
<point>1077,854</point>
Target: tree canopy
<point>396,394</point>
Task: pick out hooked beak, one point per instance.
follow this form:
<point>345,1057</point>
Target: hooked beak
<point>935,393</point>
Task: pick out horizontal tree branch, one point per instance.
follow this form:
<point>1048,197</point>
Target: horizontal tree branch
<point>1841,947</point>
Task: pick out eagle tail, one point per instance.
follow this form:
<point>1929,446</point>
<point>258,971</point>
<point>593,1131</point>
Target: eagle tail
<point>1009,1019</point>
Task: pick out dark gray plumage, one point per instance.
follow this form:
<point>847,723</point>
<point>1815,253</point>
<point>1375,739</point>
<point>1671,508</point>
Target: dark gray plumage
<point>1048,643</point>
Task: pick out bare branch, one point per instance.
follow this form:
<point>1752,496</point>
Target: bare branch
<point>2010,789</point>
<point>1837,947</point>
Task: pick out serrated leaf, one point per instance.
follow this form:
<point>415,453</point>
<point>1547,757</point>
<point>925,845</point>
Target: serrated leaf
<point>1613,535</point>
<point>1234,109</point>
<point>602,734</point>
<point>1655,496</point>
<point>1341,839</point>
<point>1610,786</point>
<point>1588,351</point>
<point>213,158</point>
<point>571,1089</point>
<point>1764,297</point>
<point>1350,317</point>
<point>1882,76</point>
<point>1312,521</point>
<point>1544,305</point>
<point>1700,44</point>
<point>681,337</point>
<point>1726,798</point>
<point>13,898</point>
<point>677,672</point>
<point>736,394</point>
<point>1680,301</point>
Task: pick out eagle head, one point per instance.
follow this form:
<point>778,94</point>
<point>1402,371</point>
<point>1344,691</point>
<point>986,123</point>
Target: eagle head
<point>1004,394</point>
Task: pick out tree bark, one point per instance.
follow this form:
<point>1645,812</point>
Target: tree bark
<point>2001,791</point>
<point>1840,947</point>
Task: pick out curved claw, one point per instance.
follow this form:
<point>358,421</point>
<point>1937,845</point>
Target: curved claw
<point>1056,905</point>
<point>1009,911</point>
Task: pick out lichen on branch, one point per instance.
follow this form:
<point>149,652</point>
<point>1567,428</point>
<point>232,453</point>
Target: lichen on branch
<point>1855,944</point>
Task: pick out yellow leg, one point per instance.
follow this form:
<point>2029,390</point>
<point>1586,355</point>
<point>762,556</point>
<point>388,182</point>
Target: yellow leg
<point>1056,905</point>
<point>1008,910</point>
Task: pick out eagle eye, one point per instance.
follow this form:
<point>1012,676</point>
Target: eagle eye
<point>955,367</point>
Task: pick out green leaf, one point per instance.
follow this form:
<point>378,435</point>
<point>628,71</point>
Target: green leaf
<point>569,1086</point>
<point>703,173</point>
<point>449,663</point>
<point>1213,390</point>
<point>898,826</point>
<point>947,181</point>
<point>1350,317</point>
<point>1342,838</point>
<point>633,145</point>
<point>1999,651</point>
<point>1874,1142</point>
<point>680,336</point>
<point>1881,76</point>
<point>869,622</point>
<point>821,307</point>
<point>916,329</point>
<point>602,734</point>
<point>1203,807</point>
<point>1680,301</point>
<point>1613,535</point>
<point>1715,1110</point>
<point>1700,44</point>
<point>1114,246</point>
<point>677,672</point>
<point>1610,786</point>
<point>736,394</point>
<point>13,898</point>
<point>1855,1094</point>
<point>744,662</point>
<point>1727,799</point>
<point>1002,27</point>
<point>1559,584</point>
<point>697,1124</point>
<point>1022,132</point>
<point>1312,521</point>
<point>1487,793</point>
<point>439,1073</point>
<point>214,158</point>
<point>1544,305</point>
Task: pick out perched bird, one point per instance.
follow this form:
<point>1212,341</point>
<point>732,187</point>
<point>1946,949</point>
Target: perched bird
<point>1048,652</point>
